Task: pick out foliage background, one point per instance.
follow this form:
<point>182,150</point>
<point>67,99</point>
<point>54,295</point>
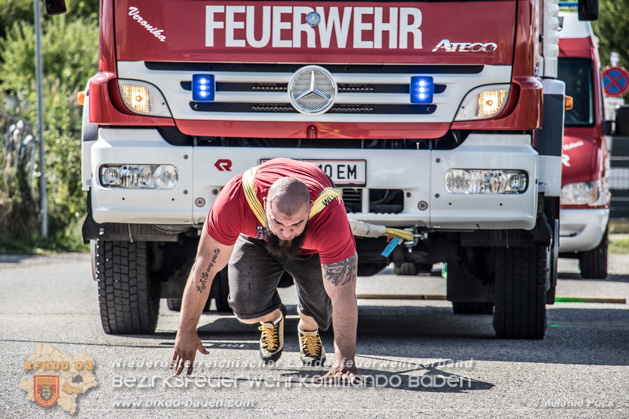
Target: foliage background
<point>612,29</point>
<point>70,55</point>
<point>70,58</point>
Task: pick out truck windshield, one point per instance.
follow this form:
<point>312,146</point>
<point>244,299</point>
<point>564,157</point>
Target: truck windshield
<point>577,74</point>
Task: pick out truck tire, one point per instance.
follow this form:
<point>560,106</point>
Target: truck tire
<point>221,292</point>
<point>174,304</point>
<point>593,263</point>
<point>129,300</point>
<point>412,269</point>
<point>472,307</point>
<point>520,292</point>
<point>406,269</point>
<point>93,259</point>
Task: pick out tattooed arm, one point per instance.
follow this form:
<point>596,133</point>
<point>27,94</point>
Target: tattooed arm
<point>339,280</point>
<point>212,256</point>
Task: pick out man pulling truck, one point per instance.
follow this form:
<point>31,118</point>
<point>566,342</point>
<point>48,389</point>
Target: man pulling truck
<point>451,131</point>
<point>282,216</point>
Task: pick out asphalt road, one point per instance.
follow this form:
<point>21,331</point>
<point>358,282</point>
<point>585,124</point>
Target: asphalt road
<point>423,359</point>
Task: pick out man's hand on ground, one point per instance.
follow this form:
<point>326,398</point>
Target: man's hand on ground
<point>186,346</point>
<point>342,371</point>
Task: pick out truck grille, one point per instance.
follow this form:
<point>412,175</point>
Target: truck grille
<point>402,89</point>
<point>450,140</point>
<point>283,87</point>
<point>352,198</point>
<point>281,107</point>
<point>365,93</point>
<point>381,201</point>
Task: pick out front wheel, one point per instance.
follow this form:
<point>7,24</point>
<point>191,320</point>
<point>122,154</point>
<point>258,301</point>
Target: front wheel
<point>174,304</point>
<point>593,263</point>
<point>520,292</point>
<point>221,292</point>
<point>129,300</point>
<point>406,269</point>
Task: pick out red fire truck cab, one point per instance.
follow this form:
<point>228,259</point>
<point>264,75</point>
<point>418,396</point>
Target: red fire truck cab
<point>585,196</point>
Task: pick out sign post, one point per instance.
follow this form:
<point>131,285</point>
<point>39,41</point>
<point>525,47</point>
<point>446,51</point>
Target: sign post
<point>43,197</point>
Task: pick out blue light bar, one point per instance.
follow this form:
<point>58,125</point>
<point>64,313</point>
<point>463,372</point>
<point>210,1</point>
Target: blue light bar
<point>422,89</point>
<point>203,87</point>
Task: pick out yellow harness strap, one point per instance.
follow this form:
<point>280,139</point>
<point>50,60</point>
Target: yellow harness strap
<point>250,194</point>
<point>325,197</point>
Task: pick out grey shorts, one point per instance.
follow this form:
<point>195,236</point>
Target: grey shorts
<point>254,276</point>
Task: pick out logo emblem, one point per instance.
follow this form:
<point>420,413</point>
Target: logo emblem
<point>56,378</point>
<point>46,389</point>
<point>313,19</point>
<point>465,46</point>
<point>312,90</point>
<point>223,165</point>
<point>261,233</point>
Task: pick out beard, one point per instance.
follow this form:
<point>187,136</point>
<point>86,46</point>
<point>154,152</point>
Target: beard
<point>284,248</point>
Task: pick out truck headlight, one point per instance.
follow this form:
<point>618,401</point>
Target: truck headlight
<point>493,181</point>
<point>139,176</point>
<point>483,102</point>
<point>143,98</point>
<point>581,193</point>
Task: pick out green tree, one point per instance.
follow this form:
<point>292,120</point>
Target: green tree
<point>70,58</point>
<point>612,29</point>
<point>12,11</point>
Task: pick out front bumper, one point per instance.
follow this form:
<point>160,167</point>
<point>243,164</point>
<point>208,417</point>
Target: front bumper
<point>419,174</point>
<point>581,230</point>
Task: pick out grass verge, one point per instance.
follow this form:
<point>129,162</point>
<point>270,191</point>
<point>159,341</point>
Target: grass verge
<point>67,241</point>
<point>619,243</point>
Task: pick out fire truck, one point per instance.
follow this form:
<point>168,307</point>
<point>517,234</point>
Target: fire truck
<point>585,195</point>
<point>441,118</point>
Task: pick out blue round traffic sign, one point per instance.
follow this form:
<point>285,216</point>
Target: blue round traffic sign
<point>615,81</point>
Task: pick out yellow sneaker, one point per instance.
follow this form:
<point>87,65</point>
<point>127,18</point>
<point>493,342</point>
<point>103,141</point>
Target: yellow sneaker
<point>272,339</point>
<point>311,349</point>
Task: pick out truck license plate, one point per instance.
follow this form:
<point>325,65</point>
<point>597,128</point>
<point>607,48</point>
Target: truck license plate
<point>342,172</point>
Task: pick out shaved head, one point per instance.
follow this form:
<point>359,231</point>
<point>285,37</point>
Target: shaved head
<point>288,196</point>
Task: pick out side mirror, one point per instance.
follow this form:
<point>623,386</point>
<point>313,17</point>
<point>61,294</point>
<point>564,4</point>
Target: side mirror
<point>55,7</point>
<point>608,127</point>
<point>588,10</point>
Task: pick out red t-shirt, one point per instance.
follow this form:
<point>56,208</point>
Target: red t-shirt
<point>327,233</point>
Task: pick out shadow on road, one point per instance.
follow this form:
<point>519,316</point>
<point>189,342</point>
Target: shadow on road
<point>420,377</point>
<point>579,335</point>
